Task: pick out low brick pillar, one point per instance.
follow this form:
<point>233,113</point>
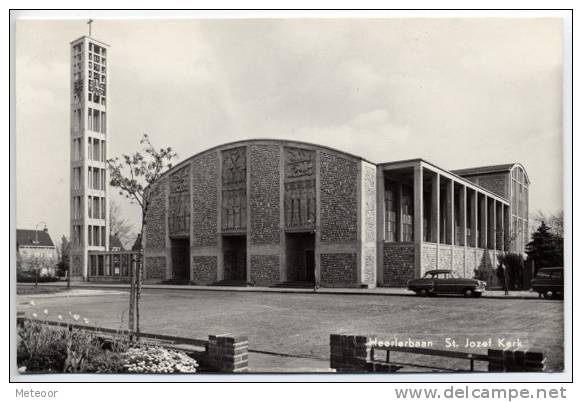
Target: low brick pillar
<point>349,353</point>
<point>515,360</point>
<point>227,353</point>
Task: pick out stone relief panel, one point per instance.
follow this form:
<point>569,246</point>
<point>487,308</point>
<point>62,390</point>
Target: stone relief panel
<point>179,200</point>
<point>370,203</point>
<point>234,189</point>
<point>300,195</point>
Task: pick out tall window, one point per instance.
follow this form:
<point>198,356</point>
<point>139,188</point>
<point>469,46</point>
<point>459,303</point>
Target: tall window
<point>390,214</point>
<point>90,118</point>
<point>89,235</point>
<point>90,177</point>
<point>407,215</point>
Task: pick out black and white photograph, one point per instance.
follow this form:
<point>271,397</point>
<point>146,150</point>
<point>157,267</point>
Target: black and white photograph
<point>375,194</point>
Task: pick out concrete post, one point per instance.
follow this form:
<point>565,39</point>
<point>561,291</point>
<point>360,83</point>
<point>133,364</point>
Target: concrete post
<point>435,208</point>
<point>418,220</point>
<point>380,227</point>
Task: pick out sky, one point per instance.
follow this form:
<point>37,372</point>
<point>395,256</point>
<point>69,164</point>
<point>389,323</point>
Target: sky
<point>458,92</point>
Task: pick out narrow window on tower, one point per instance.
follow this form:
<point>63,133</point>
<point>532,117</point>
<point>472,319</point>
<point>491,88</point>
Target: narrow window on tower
<point>90,148</point>
<point>103,208</point>
<point>96,118</point>
<point>103,123</point>
<point>90,177</point>
<point>103,179</point>
<point>90,117</point>
<point>89,235</point>
<point>103,236</point>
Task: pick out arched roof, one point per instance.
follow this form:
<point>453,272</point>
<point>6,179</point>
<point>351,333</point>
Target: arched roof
<point>234,144</point>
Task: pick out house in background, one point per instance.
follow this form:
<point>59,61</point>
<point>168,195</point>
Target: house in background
<point>115,244</point>
<point>35,250</point>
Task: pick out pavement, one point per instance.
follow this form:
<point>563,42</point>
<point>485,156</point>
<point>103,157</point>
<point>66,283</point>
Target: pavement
<point>380,291</point>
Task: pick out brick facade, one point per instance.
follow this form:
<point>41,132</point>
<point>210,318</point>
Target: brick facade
<point>429,257</point>
<point>155,268</point>
<point>204,269</point>
<point>339,269</point>
<point>265,269</point>
<point>339,198</point>
<point>459,263</point>
<point>496,183</point>
<point>398,264</point>
<point>205,200</point>
<point>264,198</point>
<point>155,236</point>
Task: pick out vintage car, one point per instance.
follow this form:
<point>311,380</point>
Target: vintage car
<point>549,282</point>
<point>443,281</point>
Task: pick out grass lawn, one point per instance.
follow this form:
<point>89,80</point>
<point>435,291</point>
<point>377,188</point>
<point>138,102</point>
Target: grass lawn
<point>300,324</point>
<point>32,290</point>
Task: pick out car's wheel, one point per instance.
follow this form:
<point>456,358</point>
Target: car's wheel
<point>549,294</point>
<point>477,294</point>
<point>423,292</point>
<point>469,293</point>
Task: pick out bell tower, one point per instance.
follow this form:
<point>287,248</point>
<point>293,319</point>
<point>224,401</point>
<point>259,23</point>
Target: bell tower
<point>89,195</point>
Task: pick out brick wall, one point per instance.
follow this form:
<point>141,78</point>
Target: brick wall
<point>204,269</point>
<point>338,269</point>
<point>264,199</point>
<point>265,269</point>
<point>445,254</point>
<point>205,200</point>
<point>155,268</point>
<point>227,353</point>
<point>156,217</point>
<point>398,264</point>
<point>493,182</point>
<point>339,198</point>
<point>459,262</point>
<point>470,261</point>
<point>429,257</point>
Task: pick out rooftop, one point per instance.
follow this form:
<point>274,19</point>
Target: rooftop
<point>27,237</point>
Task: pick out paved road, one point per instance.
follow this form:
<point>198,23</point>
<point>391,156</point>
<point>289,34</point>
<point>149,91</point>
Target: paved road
<point>299,324</point>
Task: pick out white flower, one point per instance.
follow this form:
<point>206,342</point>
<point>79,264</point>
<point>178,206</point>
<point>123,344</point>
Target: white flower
<point>34,315</point>
<point>31,303</point>
<point>60,317</point>
<point>85,320</point>
<point>22,369</point>
<point>76,317</point>
<point>45,311</point>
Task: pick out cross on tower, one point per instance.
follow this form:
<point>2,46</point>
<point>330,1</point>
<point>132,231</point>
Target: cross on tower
<point>89,23</point>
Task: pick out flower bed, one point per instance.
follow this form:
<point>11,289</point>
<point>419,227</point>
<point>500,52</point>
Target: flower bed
<point>44,348</point>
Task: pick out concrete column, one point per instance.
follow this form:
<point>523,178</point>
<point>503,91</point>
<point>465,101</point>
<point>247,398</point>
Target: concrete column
<point>503,223</point>
<point>483,217</point>
<point>435,208</point>
<point>399,224</point>
<point>380,226</point>
<point>450,234</point>
<point>474,218</point>
<point>418,219</point>
<point>463,216</point>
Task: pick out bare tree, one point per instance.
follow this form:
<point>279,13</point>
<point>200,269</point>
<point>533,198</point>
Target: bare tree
<point>134,175</point>
<point>119,226</point>
<point>554,220</point>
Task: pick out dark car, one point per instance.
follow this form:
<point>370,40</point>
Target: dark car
<point>549,282</point>
<point>443,281</point>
